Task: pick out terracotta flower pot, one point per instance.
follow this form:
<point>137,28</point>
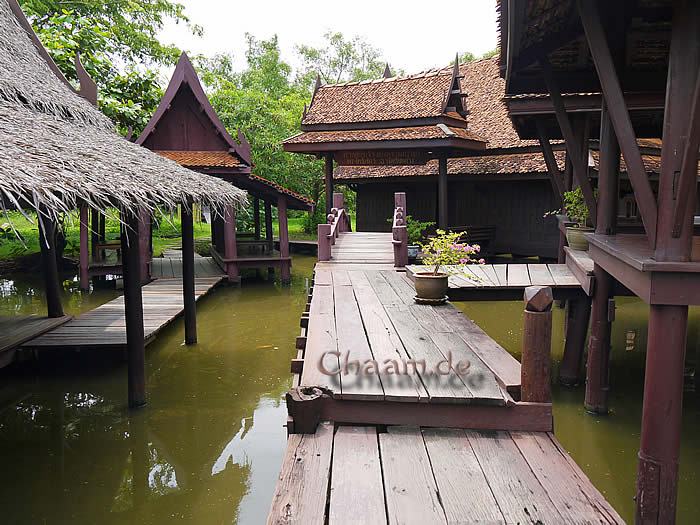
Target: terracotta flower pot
<point>575,237</point>
<point>431,286</point>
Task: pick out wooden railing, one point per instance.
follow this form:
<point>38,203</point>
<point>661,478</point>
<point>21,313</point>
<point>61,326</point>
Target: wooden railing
<point>399,231</point>
<point>338,222</point>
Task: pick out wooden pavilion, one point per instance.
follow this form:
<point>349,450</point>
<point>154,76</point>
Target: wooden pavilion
<point>498,196</point>
<point>389,121</point>
<point>651,50</point>
<point>185,128</point>
<point>60,153</point>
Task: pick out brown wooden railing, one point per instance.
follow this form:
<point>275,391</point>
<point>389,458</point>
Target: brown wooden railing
<point>338,222</point>
<point>399,231</point>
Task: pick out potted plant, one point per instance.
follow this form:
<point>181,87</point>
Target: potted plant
<point>442,250</point>
<point>416,233</point>
<point>577,212</point>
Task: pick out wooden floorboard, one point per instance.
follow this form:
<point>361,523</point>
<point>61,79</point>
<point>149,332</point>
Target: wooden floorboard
<point>105,326</point>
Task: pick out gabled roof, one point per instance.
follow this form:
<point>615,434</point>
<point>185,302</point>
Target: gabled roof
<point>185,84</point>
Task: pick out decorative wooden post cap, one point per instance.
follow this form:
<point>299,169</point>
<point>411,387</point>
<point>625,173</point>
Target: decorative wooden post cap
<point>538,298</point>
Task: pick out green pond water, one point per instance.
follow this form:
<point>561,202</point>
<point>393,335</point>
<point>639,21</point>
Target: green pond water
<point>208,446</point>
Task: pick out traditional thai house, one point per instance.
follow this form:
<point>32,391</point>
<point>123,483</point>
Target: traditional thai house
<point>59,153</point>
<point>185,128</point>
<point>644,59</point>
<point>501,195</point>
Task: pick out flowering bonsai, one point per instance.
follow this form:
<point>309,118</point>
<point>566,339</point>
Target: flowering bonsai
<point>445,250</point>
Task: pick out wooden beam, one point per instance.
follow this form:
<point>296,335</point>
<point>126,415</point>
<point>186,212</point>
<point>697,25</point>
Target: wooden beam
<point>550,160</point>
<point>442,193</point>
<point>608,176</point>
<point>329,181</point>
<point>256,217</point>
<point>47,241</point>
<point>578,161</point>
<point>188,292</point>
<point>612,92</point>
<point>230,249</point>
<point>84,258</point>
<point>284,238</point>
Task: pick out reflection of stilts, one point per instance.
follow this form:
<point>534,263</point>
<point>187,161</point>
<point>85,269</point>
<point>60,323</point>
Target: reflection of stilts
<point>139,459</point>
<point>58,440</point>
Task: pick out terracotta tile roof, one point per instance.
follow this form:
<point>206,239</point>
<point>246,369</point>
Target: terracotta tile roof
<point>652,163</point>
<point>417,96</point>
<point>439,131</point>
<point>514,163</point>
<point>282,189</point>
<point>203,159</point>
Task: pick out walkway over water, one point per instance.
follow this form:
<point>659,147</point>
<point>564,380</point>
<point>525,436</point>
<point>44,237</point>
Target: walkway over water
<point>363,248</point>
<point>372,442</point>
<point>105,326</point>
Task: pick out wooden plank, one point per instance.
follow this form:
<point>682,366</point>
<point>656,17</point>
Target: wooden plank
<point>356,477</point>
<point>386,294</point>
<point>411,492</point>
<point>501,271</point>
<point>429,320</point>
<point>562,275</point>
<point>321,339</point>
<point>464,492</point>
<point>353,346</point>
<point>384,342</point>
<point>403,287</point>
<point>518,275</point>
<point>519,494</point>
<point>485,278</point>
<point>490,272</point>
<point>322,277</point>
<point>302,486</point>
<point>567,491</point>
<point>539,275</point>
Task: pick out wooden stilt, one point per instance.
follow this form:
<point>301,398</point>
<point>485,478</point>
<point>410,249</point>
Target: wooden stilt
<point>256,217</point>
<point>102,233</point>
<point>442,193</point>
<point>133,305</point>
<point>329,182</point>
<point>578,313</point>
<point>145,245</point>
<point>597,367</point>
<point>84,260</point>
<point>537,345</point>
<point>269,236</point>
<point>94,233</point>
<point>188,276</point>
<point>285,269</point>
<point>47,241</point>
<point>230,249</point>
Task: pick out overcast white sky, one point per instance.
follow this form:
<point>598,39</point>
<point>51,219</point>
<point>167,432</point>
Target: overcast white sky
<point>411,35</point>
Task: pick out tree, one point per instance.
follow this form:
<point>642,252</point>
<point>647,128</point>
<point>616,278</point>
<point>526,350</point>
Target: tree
<point>339,60</point>
<point>118,45</point>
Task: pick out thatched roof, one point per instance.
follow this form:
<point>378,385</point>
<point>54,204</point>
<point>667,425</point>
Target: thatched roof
<point>56,149</point>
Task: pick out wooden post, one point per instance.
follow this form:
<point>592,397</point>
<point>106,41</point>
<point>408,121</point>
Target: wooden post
<point>597,366</point>
<point>133,306</point>
<point>230,249</point>
<point>537,345</point>
<point>94,234</point>
<point>269,236</point>
<point>285,269</point>
<point>84,261</point>
<point>188,274</point>
<point>399,231</point>
<point>442,192</point>
<point>329,182</point>
<point>324,242</point>
<point>339,204</point>
<point>145,242</point>
<point>256,217</point>
<point>578,314</point>
<point>659,452</point>
<point>47,241</point>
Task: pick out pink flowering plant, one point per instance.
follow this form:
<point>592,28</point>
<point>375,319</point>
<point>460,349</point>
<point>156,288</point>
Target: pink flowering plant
<point>445,249</point>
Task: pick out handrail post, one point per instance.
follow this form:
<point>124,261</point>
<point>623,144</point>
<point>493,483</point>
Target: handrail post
<point>324,242</point>
<point>537,345</point>
<point>399,231</point>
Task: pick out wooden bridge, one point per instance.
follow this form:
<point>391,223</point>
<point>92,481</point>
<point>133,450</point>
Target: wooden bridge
<point>437,443</point>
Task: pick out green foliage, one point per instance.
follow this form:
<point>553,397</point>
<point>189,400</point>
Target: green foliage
<point>341,59</point>
<point>467,57</point>
<point>417,229</point>
<point>445,249</point>
<point>118,45</point>
<point>575,206</point>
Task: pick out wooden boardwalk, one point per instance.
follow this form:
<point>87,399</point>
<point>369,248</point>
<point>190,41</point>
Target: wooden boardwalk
<point>435,444</point>
<point>363,248</point>
<point>408,475</point>
<point>16,330</point>
<point>171,267</point>
<point>105,326</point>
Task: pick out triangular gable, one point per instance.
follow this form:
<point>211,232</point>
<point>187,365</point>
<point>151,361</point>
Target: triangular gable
<point>186,120</point>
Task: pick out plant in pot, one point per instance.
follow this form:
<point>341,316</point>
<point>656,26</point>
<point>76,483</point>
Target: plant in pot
<point>577,212</point>
<point>441,251</point>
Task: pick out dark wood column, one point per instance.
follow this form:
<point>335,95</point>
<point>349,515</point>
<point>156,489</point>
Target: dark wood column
<point>285,268</point>
<point>188,274</point>
<point>84,258</point>
<point>269,236</point>
<point>442,192</point>
<point>256,217</point>
<point>329,182</point>
<point>659,452</point>
<point>597,368</point>
<point>133,305</point>
<point>94,232</point>
<point>47,241</point>
<point>230,248</point>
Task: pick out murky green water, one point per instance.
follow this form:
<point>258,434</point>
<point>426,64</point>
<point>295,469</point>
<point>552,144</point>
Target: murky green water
<point>207,449</point>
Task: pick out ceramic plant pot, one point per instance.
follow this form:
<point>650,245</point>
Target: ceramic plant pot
<point>575,237</point>
<point>430,286</point>
<point>413,251</point>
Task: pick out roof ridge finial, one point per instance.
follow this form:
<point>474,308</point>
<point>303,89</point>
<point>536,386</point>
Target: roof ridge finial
<point>456,67</point>
<point>317,85</point>
<point>88,87</point>
<point>387,71</point>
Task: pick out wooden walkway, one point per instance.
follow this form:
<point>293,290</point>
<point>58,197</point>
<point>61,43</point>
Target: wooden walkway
<point>363,248</point>
<point>105,326</point>
<point>437,444</point>
<point>407,475</point>
<point>16,330</point>
<point>491,282</point>
<point>170,267</point>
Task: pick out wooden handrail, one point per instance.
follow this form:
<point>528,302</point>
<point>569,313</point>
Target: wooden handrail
<point>399,231</point>
<point>338,221</point>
